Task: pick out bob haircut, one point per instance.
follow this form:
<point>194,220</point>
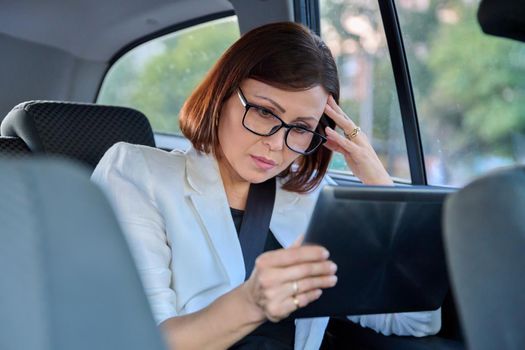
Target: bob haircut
<point>285,55</point>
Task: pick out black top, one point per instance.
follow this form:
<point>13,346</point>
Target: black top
<point>269,335</point>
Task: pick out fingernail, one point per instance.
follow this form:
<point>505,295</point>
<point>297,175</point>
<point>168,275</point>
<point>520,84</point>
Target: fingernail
<point>318,293</point>
<point>326,253</point>
<point>333,280</point>
<point>333,267</point>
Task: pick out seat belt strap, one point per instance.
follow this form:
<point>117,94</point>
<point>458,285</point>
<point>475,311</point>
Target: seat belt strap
<point>256,222</point>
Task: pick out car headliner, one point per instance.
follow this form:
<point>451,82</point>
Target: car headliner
<point>61,49</point>
<point>96,29</point>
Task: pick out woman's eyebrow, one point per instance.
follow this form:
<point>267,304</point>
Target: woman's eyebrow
<point>279,107</point>
<point>282,110</point>
<point>312,119</point>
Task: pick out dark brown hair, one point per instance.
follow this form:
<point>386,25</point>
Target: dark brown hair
<point>285,55</point>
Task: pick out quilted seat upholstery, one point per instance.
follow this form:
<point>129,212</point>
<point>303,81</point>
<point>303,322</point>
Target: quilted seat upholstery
<point>76,130</point>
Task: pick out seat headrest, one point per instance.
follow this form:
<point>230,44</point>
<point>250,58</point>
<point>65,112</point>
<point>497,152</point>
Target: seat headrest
<point>65,262</point>
<point>504,18</point>
<point>13,147</point>
<point>81,131</point>
<point>484,238</point>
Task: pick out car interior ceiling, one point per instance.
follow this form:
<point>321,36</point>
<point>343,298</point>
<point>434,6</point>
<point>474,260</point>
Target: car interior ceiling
<point>56,67</point>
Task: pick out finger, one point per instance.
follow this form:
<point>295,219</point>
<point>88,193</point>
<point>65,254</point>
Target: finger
<point>298,272</point>
<point>291,304</point>
<point>304,299</point>
<point>304,285</point>
<point>311,283</point>
<point>291,256</point>
<point>354,133</point>
<point>334,147</point>
<point>347,125</point>
<point>332,103</point>
<point>340,118</point>
<point>286,276</point>
<point>343,142</point>
<point>298,241</point>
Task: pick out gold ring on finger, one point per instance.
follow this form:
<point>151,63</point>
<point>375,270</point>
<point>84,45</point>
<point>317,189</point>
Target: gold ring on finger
<point>295,301</point>
<point>352,133</point>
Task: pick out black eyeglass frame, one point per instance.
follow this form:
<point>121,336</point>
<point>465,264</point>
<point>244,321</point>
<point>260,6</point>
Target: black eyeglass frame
<point>247,105</point>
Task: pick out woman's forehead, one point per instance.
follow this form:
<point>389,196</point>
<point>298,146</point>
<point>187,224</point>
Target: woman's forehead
<point>300,103</point>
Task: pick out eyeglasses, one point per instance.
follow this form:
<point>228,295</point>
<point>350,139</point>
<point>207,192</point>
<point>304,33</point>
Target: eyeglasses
<point>263,122</point>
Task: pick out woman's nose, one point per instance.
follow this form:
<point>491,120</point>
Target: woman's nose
<point>276,141</point>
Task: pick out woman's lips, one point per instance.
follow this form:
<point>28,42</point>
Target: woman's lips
<point>263,163</point>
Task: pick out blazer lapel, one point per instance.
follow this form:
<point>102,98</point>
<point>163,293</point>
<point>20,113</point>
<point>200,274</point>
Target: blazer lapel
<point>291,214</point>
<point>206,193</point>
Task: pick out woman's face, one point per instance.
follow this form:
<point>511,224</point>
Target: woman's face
<point>247,157</point>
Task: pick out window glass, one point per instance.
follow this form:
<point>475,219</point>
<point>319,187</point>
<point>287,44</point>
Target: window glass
<point>158,76</point>
<point>469,89</point>
<point>354,32</point>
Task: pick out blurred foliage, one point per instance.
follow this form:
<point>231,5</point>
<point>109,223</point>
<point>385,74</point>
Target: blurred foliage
<point>469,87</point>
<point>476,75</point>
<point>157,77</point>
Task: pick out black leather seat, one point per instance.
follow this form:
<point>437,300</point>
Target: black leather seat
<point>13,147</point>
<point>68,279</point>
<point>484,227</point>
<point>78,130</point>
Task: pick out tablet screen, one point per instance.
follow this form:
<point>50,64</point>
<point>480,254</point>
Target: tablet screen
<point>386,242</point>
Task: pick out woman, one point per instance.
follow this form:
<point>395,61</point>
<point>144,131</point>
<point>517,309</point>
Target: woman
<point>266,110</point>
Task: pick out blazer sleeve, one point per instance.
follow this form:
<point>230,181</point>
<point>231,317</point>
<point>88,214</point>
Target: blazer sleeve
<point>417,324</point>
<point>123,175</point>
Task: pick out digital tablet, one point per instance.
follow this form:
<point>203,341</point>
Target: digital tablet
<point>386,242</point>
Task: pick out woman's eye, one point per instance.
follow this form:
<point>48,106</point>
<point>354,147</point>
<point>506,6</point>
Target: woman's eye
<point>305,126</point>
<point>301,129</point>
<point>264,112</point>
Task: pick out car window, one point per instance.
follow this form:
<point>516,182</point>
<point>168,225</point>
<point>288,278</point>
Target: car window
<point>354,32</point>
<point>469,90</point>
<point>157,77</point>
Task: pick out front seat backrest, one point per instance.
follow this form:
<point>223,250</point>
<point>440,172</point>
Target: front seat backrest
<point>485,244</point>
<point>68,279</point>
<point>13,147</point>
<point>77,130</point>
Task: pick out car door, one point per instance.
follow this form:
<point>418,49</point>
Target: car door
<point>439,100</point>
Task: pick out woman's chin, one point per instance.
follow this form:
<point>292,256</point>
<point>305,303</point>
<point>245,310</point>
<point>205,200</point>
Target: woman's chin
<point>257,177</point>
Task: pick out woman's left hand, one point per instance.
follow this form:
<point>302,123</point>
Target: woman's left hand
<point>355,147</point>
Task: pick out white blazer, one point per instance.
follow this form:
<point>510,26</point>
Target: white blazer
<point>175,215</point>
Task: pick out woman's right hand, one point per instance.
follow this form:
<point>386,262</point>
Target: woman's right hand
<point>284,280</point>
